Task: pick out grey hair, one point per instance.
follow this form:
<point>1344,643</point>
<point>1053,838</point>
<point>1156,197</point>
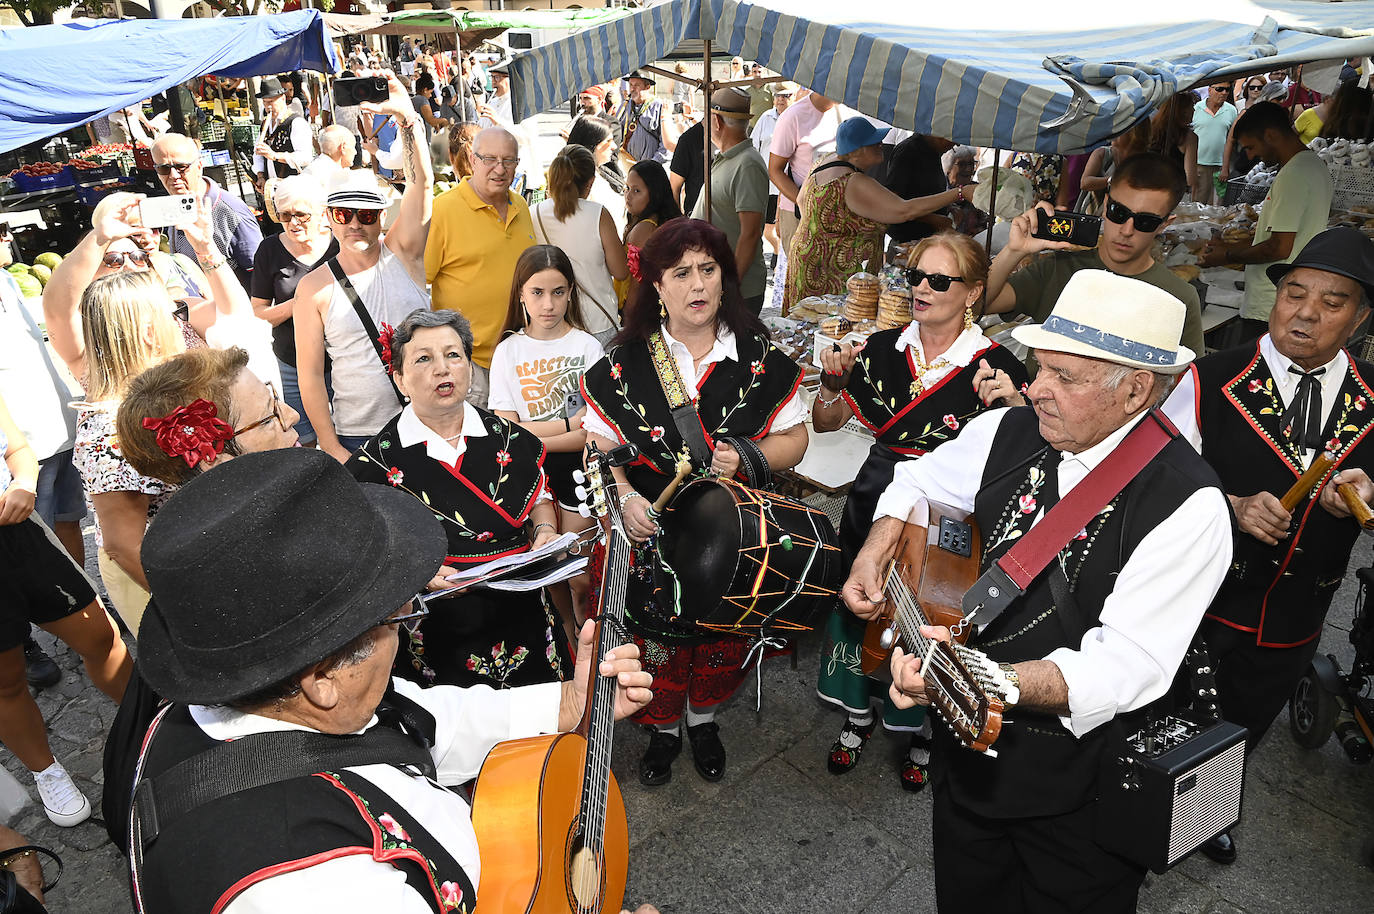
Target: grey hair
<point>278,693</point>
<point>422,319</point>
<point>957,154</point>
<point>1164,383</point>
<point>333,138</point>
<point>301,190</point>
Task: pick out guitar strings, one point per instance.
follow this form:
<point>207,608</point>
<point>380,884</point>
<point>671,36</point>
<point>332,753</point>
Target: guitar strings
<point>909,611</point>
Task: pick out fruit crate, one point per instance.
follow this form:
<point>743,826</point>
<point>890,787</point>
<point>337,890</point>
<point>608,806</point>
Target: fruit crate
<point>143,158</point>
<point>91,194</point>
<point>245,135</point>
<point>94,175</point>
<point>214,157</point>
<point>1238,191</point>
<point>212,131</point>
<point>27,184</point>
<point>1352,186</point>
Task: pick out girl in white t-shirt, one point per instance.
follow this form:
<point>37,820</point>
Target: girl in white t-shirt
<point>536,373</point>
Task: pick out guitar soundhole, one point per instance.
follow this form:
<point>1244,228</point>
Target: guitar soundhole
<point>584,874</point>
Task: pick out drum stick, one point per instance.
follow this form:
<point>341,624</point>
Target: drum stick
<point>1362,513</point>
<point>1320,464</point>
<point>684,469</point>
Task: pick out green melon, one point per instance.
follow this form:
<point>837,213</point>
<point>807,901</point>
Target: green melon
<point>49,259</point>
<point>42,272</point>
<point>18,269</point>
<point>29,285</point>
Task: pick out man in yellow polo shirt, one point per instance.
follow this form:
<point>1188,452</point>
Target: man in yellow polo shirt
<point>478,232</point>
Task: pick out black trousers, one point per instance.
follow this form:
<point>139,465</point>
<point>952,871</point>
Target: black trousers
<point>1253,682</point>
<point>1046,865</point>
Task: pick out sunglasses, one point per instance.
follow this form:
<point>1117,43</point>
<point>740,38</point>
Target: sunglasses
<point>1253,88</point>
<point>299,217</point>
<point>1144,222</point>
<point>938,282</point>
<point>342,215</point>
<point>116,259</point>
<point>275,414</point>
<point>166,168</point>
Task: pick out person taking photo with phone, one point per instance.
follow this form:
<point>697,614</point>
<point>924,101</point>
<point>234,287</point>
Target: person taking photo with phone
<point>1141,197</point>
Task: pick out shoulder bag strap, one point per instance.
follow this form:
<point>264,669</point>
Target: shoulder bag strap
<point>1011,575</point>
<point>261,759</point>
<point>683,409</point>
<point>369,327</point>
<point>581,289</point>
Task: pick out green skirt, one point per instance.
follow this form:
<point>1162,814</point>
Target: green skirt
<point>840,681</point>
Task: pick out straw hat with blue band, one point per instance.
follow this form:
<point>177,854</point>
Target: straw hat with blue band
<point>1114,318</point>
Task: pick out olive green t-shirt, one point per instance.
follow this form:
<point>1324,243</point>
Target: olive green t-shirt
<point>1037,288</point>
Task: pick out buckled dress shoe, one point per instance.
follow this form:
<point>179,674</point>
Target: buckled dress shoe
<point>1221,849</point>
<point>42,669</point>
<point>656,767</point>
<point>708,754</point>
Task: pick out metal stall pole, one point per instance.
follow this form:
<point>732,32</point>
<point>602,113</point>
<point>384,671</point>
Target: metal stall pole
<point>992,204</point>
<point>706,126</point>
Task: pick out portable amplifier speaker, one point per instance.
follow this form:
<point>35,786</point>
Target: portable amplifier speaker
<point>1174,786</point>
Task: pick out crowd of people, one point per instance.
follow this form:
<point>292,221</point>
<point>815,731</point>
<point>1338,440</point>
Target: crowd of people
<point>277,524</point>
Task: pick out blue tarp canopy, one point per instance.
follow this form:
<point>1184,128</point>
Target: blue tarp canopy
<point>1048,78</point>
<point>55,77</point>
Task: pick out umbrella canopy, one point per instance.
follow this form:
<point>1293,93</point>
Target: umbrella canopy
<point>973,73</point>
<point>55,77</point>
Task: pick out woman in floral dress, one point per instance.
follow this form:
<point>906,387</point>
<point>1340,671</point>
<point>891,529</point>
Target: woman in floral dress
<point>483,478</point>
<point>915,388</point>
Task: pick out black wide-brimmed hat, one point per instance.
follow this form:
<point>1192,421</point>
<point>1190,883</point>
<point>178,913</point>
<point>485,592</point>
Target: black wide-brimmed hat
<point>271,87</point>
<point>1343,250</point>
<point>269,564</point>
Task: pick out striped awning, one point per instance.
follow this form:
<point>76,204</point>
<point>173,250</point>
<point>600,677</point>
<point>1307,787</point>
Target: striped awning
<point>972,72</point>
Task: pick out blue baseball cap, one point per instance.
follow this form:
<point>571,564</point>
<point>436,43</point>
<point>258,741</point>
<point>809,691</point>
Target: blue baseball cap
<point>857,132</point>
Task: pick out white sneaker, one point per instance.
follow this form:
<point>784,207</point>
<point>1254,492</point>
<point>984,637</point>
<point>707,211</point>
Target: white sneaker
<point>63,801</point>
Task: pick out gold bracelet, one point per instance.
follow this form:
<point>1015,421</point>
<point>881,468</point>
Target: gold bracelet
<point>19,856</point>
<point>212,263</point>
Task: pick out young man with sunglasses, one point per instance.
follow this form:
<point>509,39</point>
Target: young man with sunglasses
<point>176,159</point>
<point>1140,202</point>
<point>382,280</point>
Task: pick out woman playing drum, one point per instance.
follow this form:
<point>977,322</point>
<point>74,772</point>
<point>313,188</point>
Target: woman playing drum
<point>689,299</point>
<point>915,387</point>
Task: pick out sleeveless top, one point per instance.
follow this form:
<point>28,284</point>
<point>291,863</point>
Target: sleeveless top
<point>363,397</point>
<point>580,238</point>
<point>831,244</point>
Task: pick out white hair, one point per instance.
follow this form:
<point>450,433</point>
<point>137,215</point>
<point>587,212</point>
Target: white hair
<point>957,154</point>
<point>299,190</point>
<point>1163,383</point>
<point>333,138</point>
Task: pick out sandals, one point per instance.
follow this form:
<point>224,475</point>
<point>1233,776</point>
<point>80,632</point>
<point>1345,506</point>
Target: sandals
<point>845,751</point>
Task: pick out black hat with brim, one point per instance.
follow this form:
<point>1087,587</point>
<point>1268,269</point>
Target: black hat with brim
<point>640,74</point>
<point>271,87</point>
<point>268,564</point>
<point>1343,250</point>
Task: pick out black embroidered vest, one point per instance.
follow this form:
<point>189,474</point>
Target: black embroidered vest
<point>483,501</point>
<point>737,398</point>
<point>206,858</point>
<point>1281,593</point>
<point>1042,768</point>
<point>279,140</point>
<point>886,397</point>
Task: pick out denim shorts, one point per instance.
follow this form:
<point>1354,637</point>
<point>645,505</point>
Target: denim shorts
<point>60,497</point>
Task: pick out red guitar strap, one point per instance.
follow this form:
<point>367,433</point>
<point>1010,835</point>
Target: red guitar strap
<point>1013,573</point>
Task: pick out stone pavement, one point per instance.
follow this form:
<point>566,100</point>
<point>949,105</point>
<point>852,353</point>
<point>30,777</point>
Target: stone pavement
<point>781,834</point>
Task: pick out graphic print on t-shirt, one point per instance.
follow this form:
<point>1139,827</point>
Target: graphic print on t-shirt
<point>546,382</point>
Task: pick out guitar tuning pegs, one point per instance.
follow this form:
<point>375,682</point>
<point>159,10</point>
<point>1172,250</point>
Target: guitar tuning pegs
<point>584,510</point>
<point>581,493</point>
<point>579,477</point>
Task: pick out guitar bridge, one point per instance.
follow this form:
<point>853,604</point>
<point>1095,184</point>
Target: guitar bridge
<point>956,536</point>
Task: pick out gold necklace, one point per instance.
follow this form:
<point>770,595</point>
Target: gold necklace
<point>918,384</point>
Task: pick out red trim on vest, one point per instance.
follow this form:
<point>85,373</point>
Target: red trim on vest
<point>278,869</point>
<point>768,425</point>
<point>641,460</point>
<point>456,471</point>
<point>1226,392</point>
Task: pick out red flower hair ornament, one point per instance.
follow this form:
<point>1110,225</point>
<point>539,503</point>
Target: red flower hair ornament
<point>384,339</point>
<point>193,433</point>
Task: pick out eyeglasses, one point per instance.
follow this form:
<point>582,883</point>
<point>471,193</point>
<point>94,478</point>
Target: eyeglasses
<point>299,217</point>
<point>490,161</point>
<point>411,620</point>
<point>342,215</point>
<point>116,259</point>
<point>939,282</point>
<point>1253,88</point>
<point>1144,222</point>
<point>166,168</point>
<point>275,414</point>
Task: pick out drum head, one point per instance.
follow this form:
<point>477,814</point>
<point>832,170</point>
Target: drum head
<point>700,541</point>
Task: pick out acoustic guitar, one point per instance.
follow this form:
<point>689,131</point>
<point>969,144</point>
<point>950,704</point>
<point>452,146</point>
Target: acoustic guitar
<point>932,568</point>
<point>547,810</point>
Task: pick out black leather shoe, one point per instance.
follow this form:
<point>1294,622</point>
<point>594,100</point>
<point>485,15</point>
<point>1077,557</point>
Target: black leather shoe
<point>43,672</point>
<point>656,767</point>
<point>707,752</point>
<point>1221,849</point>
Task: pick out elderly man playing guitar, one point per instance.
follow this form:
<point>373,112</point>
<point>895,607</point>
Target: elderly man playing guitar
<point>1090,618</point>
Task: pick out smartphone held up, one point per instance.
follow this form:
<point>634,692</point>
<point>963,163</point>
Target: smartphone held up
<point>359,89</point>
<point>1075,228</point>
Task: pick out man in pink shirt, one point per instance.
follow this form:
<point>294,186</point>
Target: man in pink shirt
<point>805,134</point>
